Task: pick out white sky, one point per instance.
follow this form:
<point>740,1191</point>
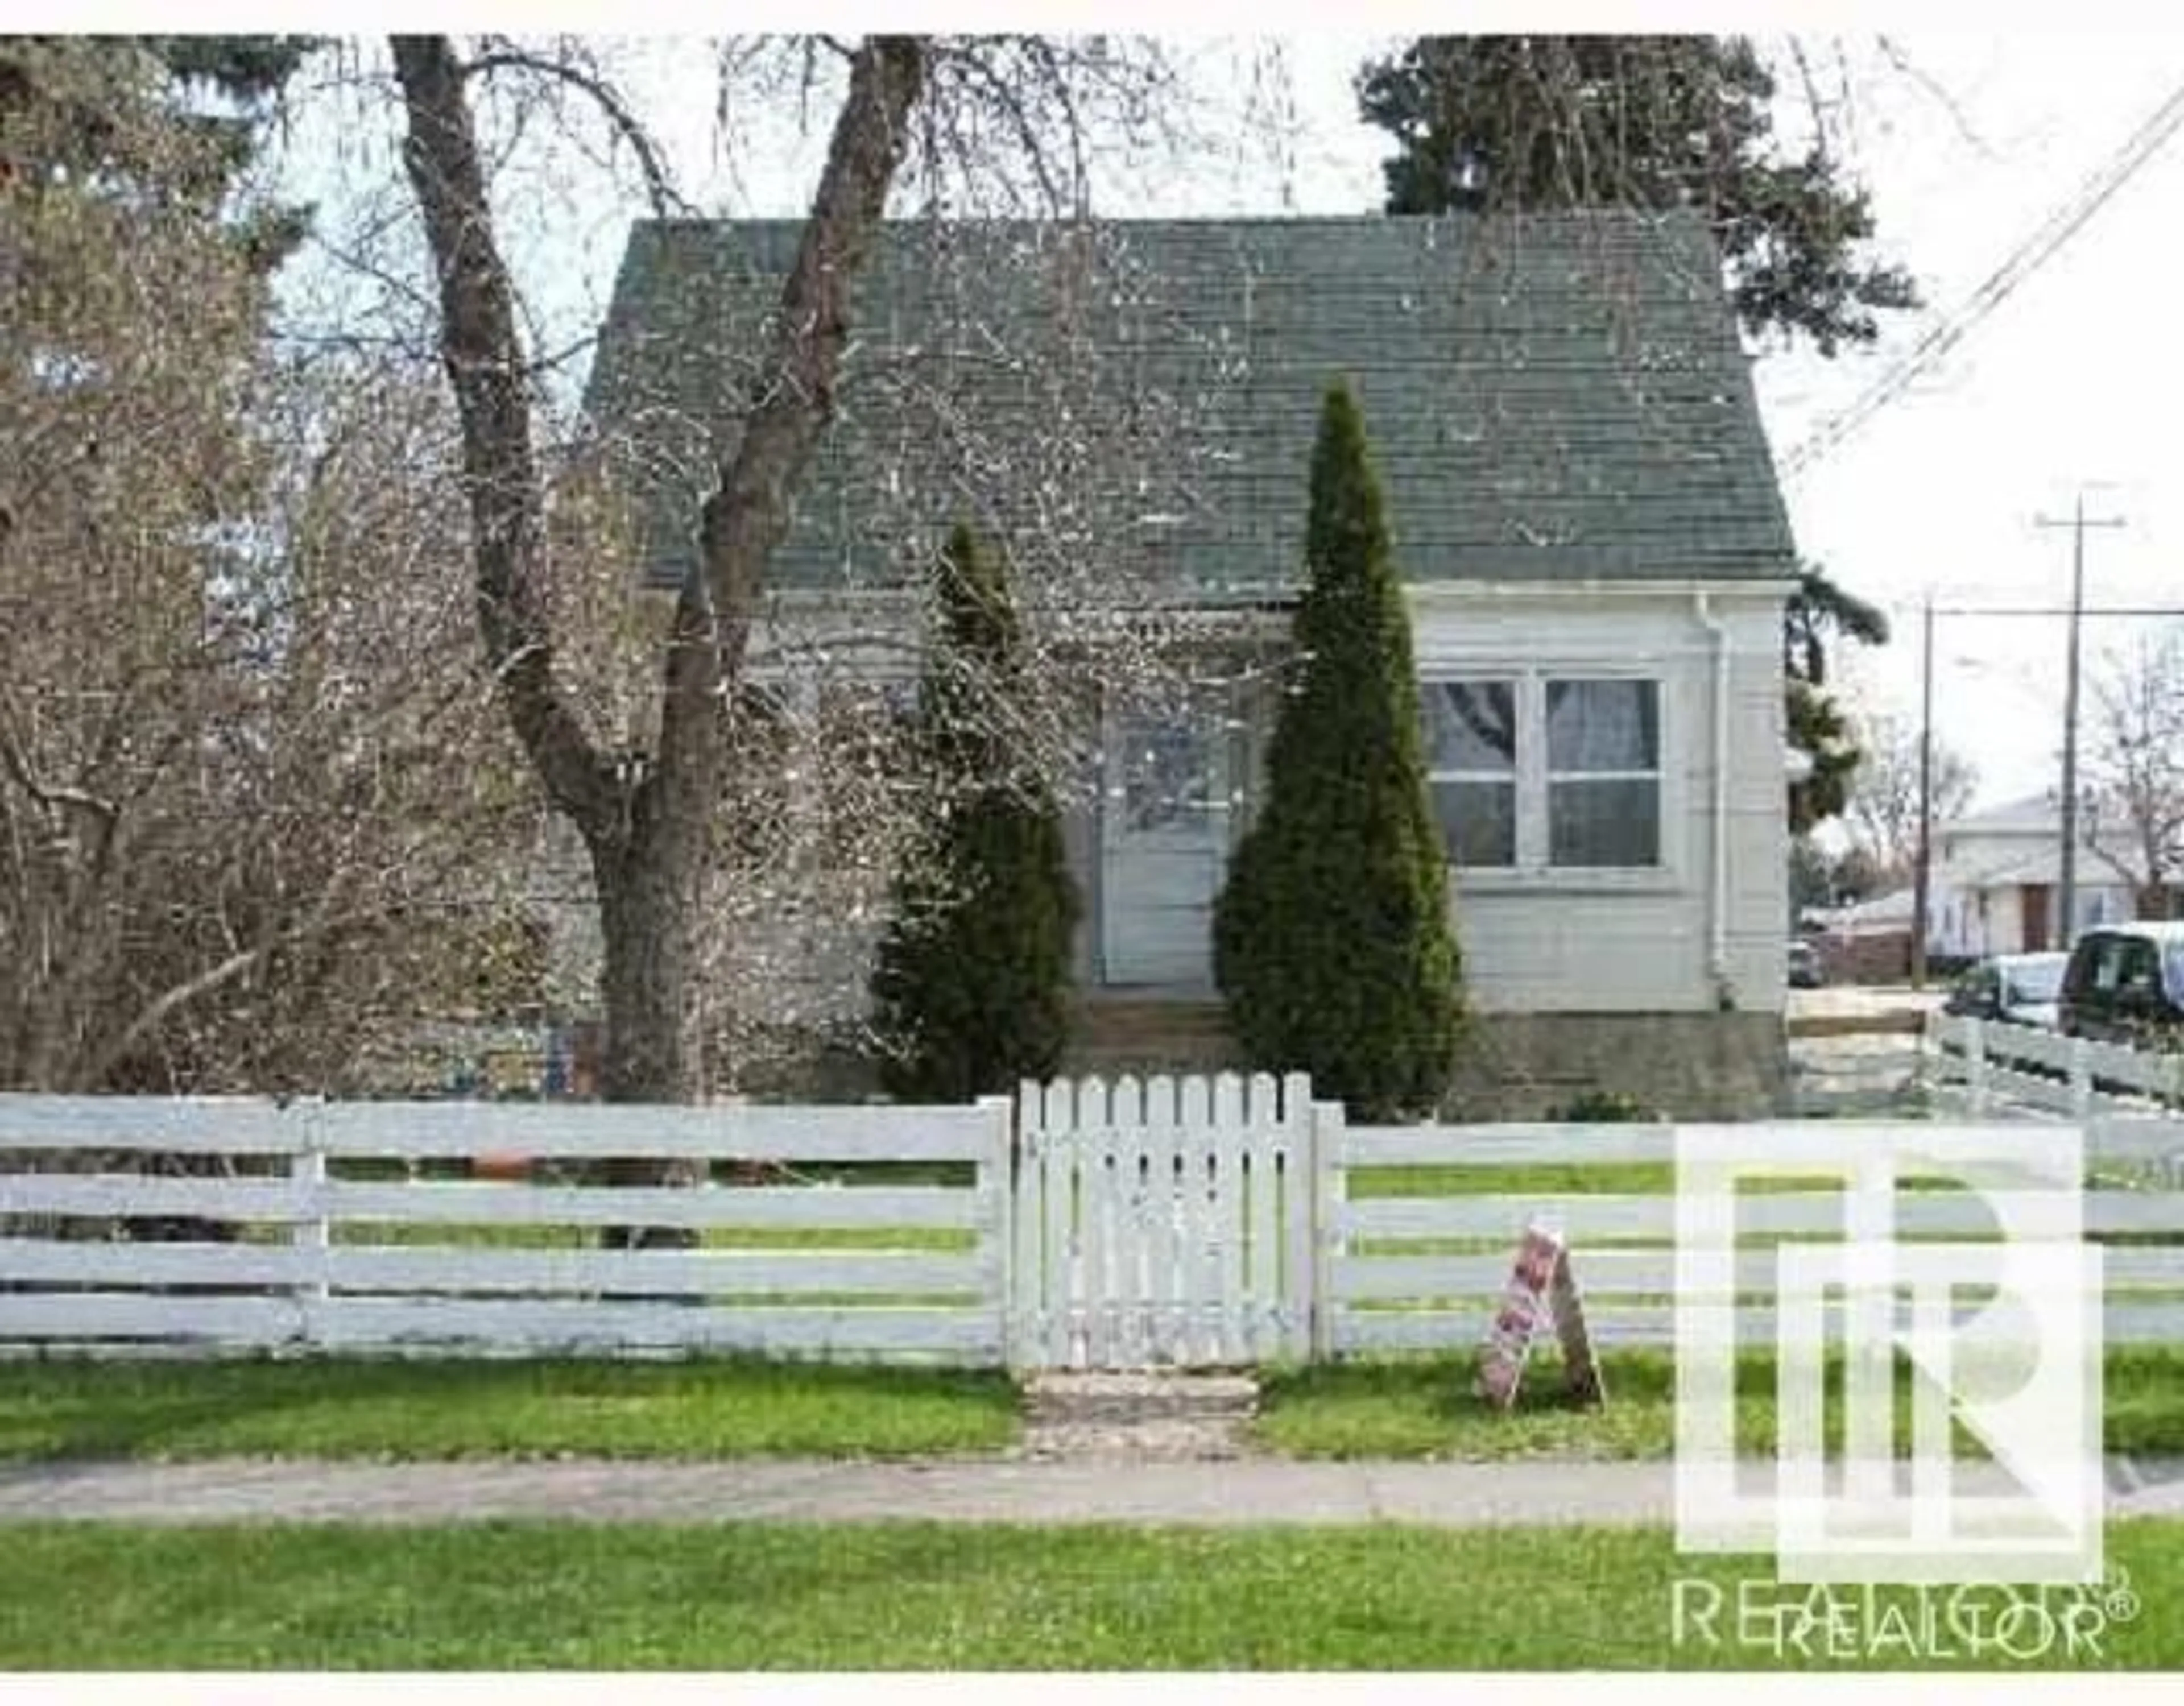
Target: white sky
<point>2071,381</point>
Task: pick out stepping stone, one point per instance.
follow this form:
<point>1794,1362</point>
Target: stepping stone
<point>1144,1418</point>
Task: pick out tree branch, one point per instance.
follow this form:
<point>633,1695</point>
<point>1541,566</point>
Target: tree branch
<point>666,202</point>
<point>205,983</point>
<point>49,796</point>
<point>484,361</point>
<point>748,512</point>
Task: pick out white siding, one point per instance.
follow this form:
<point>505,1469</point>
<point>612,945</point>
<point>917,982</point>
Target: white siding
<point>1571,942</point>
<point>1758,886</point>
<point>1567,941</point>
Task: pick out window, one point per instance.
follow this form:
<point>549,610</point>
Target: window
<point>2039,981</point>
<point>1561,773</point>
<point>2106,961</point>
<point>1167,772</point>
<point>1471,742</point>
<point>2138,970</point>
<point>1603,773</point>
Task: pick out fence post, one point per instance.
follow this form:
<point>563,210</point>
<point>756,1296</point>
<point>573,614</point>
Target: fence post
<point>311,1233</point>
<point>1975,1090</point>
<point>997,1218</point>
<point>1327,1121</point>
<point>2081,1080</point>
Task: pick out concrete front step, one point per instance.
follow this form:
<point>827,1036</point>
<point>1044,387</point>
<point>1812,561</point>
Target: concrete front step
<point>1111,1036</point>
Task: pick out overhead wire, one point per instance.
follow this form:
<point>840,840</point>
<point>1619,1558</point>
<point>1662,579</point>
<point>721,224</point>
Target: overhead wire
<point>2024,260</point>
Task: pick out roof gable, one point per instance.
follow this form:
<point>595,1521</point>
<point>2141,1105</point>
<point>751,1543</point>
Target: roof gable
<point>2035,814</point>
<point>1549,398</point>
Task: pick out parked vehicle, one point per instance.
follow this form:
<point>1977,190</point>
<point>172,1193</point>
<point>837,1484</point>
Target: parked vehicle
<point>2019,989</point>
<point>2125,984</point>
<point>1806,971</point>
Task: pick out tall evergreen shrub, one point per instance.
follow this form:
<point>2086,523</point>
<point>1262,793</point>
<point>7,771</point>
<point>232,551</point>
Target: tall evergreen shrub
<point>971,987</point>
<point>1332,941</point>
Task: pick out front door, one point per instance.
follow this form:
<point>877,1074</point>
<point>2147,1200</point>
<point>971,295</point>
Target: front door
<point>1163,845</point>
<point>2032,899</point>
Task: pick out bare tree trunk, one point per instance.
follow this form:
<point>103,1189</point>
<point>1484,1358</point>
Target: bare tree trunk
<point>646,882</point>
<point>647,826</point>
<point>643,887</point>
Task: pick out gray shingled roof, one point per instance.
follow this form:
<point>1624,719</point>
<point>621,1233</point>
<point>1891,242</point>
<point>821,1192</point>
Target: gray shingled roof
<point>1549,397</point>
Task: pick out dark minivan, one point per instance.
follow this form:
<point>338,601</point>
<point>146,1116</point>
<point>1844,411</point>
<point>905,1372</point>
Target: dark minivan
<point>2125,983</point>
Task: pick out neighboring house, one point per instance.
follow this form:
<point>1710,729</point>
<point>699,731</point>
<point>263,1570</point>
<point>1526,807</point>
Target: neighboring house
<point>1997,879</point>
<point>1582,504</point>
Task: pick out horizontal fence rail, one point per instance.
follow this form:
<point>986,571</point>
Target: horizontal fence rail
<point>852,1232</point>
<point>1126,1222</point>
<point>1987,1067</point>
<point>1424,1239</point>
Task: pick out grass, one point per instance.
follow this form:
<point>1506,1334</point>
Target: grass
<point>456,1235</point>
<point>1533,1179</point>
<point>403,1409</point>
<point>422,1410</point>
<point>1424,1408</point>
<point>793,1597</point>
<point>1585,1179</point>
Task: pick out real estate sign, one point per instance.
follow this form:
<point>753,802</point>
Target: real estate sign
<point>1541,1286</point>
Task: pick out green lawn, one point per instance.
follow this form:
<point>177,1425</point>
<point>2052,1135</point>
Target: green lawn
<point>350,1408</point>
<point>460,1236</point>
<point>1418,1407</point>
<point>907,1596</point>
<point>1422,1407</point>
<point>1579,1179</point>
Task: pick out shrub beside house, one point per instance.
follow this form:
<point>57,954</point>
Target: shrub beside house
<point>1333,940</point>
<point>970,991</point>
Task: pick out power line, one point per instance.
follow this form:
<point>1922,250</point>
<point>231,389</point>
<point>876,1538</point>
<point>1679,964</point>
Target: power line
<point>2056,230</point>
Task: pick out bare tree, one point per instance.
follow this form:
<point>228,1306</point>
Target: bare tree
<point>1884,804</point>
<point>644,817</point>
<point>662,798</point>
<point>243,757</point>
<point>2136,768</point>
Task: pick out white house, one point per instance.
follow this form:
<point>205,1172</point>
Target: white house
<point>1583,507</point>
<point>1997,878</point>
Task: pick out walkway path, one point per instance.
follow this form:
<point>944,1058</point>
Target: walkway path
<point>1245,1492</point>
<point>1156,1416</point>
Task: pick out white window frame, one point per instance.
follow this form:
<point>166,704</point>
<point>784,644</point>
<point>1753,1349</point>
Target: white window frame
<point>1512,779</point>
<point>1657,774</point>
<point>1533,867</point>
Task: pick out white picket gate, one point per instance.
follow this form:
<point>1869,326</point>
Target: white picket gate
<point>1167,1223</point>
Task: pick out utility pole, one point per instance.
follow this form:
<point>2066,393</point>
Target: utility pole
<point>1923,864</point>
<point>2066,898</point>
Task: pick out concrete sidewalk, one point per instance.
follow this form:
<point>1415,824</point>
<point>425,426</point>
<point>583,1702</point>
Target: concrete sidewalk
<point>1249,1491</point>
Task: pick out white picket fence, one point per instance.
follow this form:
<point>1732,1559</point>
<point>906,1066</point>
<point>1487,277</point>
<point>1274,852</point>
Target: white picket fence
<point>1199,1222</point>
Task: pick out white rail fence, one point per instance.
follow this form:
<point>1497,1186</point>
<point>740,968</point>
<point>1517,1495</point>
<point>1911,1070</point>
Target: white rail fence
<point>1422,1239</point>
<point>336,1243</point>
<point>1172,1221</point>
<point>1986,1068</point>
